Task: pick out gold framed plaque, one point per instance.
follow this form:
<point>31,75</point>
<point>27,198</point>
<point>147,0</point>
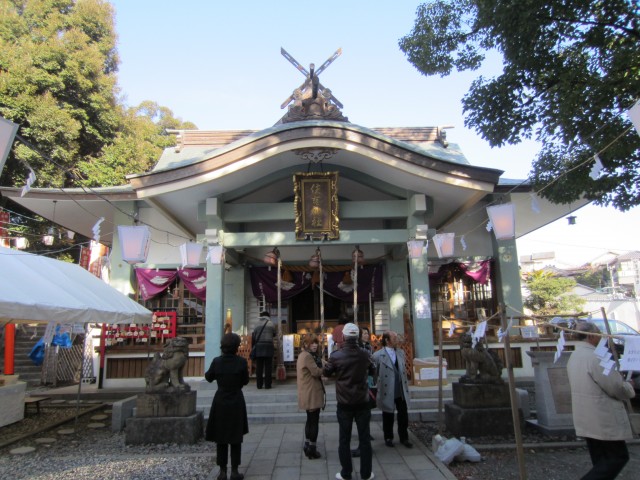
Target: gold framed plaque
<point>316,205</point>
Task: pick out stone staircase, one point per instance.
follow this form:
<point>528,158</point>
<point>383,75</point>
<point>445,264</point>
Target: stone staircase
<point>26,338</point>
<point>280,404</point>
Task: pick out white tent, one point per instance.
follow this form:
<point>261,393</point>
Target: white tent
<point>39,289</point>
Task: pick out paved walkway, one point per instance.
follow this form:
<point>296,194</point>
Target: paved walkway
<point>275,452</point>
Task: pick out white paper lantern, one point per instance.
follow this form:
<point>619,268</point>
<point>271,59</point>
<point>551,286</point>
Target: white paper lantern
<point>503,219</point>
<point>416,248</point>
<point>134,243</point>
<point>444,243</point>
<point>190,253</point>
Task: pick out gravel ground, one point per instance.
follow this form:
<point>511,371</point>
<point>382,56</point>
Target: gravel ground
<point>546,457</point>
<point>96,453</point>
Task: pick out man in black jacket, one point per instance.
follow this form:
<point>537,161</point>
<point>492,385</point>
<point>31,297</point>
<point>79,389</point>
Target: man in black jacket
<point>351,365</point>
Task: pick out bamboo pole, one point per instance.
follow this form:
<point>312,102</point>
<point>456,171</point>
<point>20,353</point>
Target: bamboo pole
<point>321,301</point>
<point>515,412</point>
<point>440,356</point>
<point>616,358</point>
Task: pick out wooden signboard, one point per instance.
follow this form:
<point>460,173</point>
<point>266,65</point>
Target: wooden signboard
<point>316,205</point>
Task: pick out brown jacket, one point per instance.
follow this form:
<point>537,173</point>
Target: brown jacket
<point>310,387</point>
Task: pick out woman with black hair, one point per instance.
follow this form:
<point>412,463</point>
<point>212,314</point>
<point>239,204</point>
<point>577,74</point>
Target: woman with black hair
<point>228,416</point>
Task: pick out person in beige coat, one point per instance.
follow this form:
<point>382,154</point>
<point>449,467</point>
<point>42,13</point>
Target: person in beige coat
<point>599,413</point>
<point>311,393</point>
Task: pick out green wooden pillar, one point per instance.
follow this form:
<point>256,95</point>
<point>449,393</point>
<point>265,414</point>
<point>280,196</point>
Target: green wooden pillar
<point>421,307</point>
<point>214,311</point>
<point>508,275</point>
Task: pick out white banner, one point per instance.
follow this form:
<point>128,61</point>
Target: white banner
<point>287,348</point>
<point>8,132</point>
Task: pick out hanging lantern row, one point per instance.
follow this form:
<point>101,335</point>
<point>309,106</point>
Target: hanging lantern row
<point>503,220</point>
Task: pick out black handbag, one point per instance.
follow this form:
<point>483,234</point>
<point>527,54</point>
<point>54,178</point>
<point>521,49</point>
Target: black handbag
<point>373,392</point>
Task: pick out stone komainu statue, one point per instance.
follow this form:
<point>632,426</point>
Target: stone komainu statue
<point>482,365</point>
<point>164,373</point>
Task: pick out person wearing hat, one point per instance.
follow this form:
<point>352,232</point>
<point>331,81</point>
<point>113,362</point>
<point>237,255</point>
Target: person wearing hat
<point>262,338</point>
<point>351,365</point>
<point>393,389</point>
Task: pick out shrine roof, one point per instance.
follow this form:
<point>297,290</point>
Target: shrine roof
<point>193,146</point>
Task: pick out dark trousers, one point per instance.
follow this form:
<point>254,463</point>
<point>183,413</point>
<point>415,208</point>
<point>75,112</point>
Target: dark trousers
<point>311,427</point>
<point>403,421</point>
<point>222,450</point>
<point>264,367</point>
<point>362,416</point>
<point>608,458</point>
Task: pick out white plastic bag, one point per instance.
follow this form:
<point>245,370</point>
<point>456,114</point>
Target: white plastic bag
<point>449,450</point>
<point>469,454</point>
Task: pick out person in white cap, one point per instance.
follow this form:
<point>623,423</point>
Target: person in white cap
<point>351,366</point>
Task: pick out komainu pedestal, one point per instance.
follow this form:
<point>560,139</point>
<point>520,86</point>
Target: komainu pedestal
<point>480,409</point>
<point>165,418</point>
<point>166,413</point>
<point>481,399</point>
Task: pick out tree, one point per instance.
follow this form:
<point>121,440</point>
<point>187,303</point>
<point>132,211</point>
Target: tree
<point>549,295</point>
<point>570,72</point>
<point>136,147</point>
<point>58,63</point>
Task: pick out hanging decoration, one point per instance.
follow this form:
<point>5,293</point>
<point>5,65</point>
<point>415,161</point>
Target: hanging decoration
<point>597,168</point>
<point>134,243</point>
<point>503,220</point>
<point>463,242</point>
<point>190,253</point>
<point>31,178</point>
<point>444,244</point>
<point>634,116</point>
<point>559,347</point>
<point>153,282</point>
<point>96,230</point>
<point>535,207</point>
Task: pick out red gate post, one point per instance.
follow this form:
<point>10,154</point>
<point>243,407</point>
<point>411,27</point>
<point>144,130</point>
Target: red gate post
<point>9,347</point>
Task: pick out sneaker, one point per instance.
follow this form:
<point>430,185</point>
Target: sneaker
<point>370,477</point>
<point>340,477</point>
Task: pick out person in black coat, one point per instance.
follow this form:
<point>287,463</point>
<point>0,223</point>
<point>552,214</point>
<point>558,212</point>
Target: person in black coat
<point>228,417</point>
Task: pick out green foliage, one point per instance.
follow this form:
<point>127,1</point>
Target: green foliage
<point>58,65</point>
<point>594,278</point>
<point>549,295</point>
<point>136,147</point>
<point>570,72</point>
<point>57,80</point>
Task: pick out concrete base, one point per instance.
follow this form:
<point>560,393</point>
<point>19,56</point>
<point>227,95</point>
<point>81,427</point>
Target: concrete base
<point>12,401</point>
<point>481,395</point>
<point>475,422</point>
<point>179,430</point>
<point>166,404</point>
<point>552,429</point>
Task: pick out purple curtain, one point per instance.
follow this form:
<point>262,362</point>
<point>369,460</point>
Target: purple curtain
<point>264,282</point>
<point>152,282</point>
<point>479,272</point>
<point>195,279</point>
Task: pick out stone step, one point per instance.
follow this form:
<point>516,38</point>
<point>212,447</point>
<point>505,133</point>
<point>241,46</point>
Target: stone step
<point>280,404</point>
<point>429,415</point>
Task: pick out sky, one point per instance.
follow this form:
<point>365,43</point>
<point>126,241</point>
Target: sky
<point>218,65</point>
